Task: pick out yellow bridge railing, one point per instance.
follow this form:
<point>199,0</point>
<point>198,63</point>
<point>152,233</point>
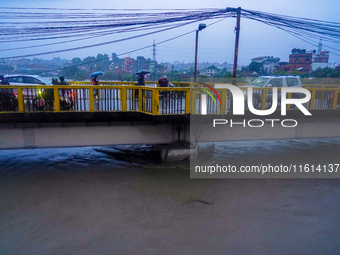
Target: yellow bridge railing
<point>185,98</point>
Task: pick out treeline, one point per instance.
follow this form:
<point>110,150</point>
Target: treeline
<point>79,69</point>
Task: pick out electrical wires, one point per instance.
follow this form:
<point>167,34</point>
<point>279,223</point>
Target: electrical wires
<point>301,27</point>
<point>79,24</point>
<point>129,52</point>
<point>61,26</point>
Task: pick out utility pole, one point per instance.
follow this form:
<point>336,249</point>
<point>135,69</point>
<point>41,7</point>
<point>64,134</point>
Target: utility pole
<point>237,29</point>
<point>320,46</point>
<point>200,27</point>
<point>154,51</point>
<point>195,67</point>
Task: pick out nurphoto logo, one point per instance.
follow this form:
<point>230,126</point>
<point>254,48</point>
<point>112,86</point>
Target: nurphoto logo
<point>239,97</point>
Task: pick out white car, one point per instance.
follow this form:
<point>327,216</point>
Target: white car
<point>276,81</point>
<point>272,82</point>
<point>26,79</point>
<point>35,99</point>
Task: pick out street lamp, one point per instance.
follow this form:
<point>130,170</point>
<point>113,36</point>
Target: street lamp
<point>200,27</point>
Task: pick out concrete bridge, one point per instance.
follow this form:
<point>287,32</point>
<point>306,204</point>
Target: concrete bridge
<point>129,114</point>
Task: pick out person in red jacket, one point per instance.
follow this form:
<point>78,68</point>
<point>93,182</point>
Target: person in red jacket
<point>95,82</point>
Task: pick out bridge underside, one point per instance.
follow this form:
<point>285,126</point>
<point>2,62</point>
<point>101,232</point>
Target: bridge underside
<point>44,129</point>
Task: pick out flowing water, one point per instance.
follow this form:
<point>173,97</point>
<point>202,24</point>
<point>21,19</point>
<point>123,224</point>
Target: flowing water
<point>84,201</point>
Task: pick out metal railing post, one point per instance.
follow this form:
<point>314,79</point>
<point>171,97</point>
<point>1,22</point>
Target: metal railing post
<point>335,99</point>
<point>155,100</point>
<point>264,99</point>
<point>312,100</point>
<point>91,99</point>
<point>193,97</point>
<point>56,99</point>
<point>20,100</point>
<point>140,99</point>
<point>224,101</point>
<point>187,101</point>
<point>124,100</point>
<point>289,96</point>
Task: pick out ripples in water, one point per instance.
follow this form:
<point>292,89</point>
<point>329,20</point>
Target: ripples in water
<point>93,158</point>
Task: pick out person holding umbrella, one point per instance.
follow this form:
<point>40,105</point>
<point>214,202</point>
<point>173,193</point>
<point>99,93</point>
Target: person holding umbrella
<point>141,80</point>
<point>94,80</point>
<point>141,77</point>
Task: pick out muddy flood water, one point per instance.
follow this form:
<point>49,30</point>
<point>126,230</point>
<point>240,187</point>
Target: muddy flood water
<point>83,201</point>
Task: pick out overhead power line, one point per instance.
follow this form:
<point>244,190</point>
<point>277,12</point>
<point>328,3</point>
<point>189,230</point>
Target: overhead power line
<point>84,23</point>
<point>92,45</point>
<point>121,54</point>
<point>129,52</point>
<point>37,24</point>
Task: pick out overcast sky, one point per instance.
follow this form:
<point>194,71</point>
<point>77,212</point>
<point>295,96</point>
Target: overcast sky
<point>216,42</point>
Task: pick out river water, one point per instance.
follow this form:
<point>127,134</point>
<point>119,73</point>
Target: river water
<point>84,201</point>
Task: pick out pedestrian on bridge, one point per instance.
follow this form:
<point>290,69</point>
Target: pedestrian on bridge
<point>55,81</point>
<point>141,80</point>
<point>48,94</point>
<point>65,92</point>
<point>62,81</point>
<point>95,82</point>
<point>163,82</point>
<point>6,95</point>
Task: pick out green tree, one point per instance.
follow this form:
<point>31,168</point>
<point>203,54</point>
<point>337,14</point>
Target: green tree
<point>323,72</point>
<point>76,61</point>
<point>114,57</point>
<point>295,72</point>
<point>214,68</point>
<point>256,67</point>
<point>109,76</point>
<point>103,62</point>
<point>80,75</point>
<point>70,72</point>
<point>5,68</point>
<point>89,61</point>
<point>282,72</point>
<point>228,75</point>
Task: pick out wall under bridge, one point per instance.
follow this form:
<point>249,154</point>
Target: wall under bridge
<point>44,130</point>
<point>68,129</point>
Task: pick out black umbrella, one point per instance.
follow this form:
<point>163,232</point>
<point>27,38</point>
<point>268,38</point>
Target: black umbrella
<point>142,73</point>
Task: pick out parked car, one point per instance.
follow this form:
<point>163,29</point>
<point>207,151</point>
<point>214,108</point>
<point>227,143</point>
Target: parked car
<point>276,81</point>
<point>37,97</point>
<point>26,79</point>
<point>272,82</point>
